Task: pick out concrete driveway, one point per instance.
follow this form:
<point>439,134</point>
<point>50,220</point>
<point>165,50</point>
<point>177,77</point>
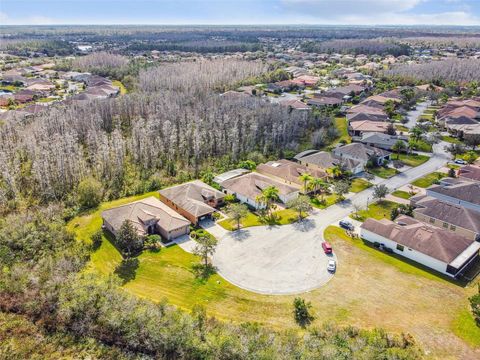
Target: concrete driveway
<point>274,260</point>
<point>289,259</point>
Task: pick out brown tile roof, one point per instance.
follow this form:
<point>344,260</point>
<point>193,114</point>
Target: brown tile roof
<point>468,191</point>
<point>141,211</point>
<point>252,184</point>
<point>319,101</point>
<point>435,242</point>
<point>369,126</point>
<point>361,116</point>
<point>326,160</point>
<point>471,172</point>
<point>360,152</point>
<point>445,211</point>
<point>288,170</point>
<point>366,109</point>
<point>192,196</point>
<point>294,104</point>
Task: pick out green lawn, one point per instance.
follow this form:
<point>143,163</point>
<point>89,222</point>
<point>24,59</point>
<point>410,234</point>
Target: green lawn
<point>428,179</point>
<point>451,139</point>
<point>402,128</point>
<point>465,327</point>
<point>383,172</point>
<point>402,194</point>
<point>328,200</point>
<point>281,217</point>
<point>378,210</point>
<point>341,125</point>
<point>413,159</point>
<point>359,184</point>
<point>421,145</point>
<point>123,89</point>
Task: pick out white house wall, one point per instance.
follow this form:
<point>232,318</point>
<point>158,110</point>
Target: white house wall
<point>412,254</point>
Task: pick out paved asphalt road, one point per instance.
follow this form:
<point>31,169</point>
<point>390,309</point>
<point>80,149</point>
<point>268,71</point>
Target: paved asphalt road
<point>289,259</point>
<point>413,115</point>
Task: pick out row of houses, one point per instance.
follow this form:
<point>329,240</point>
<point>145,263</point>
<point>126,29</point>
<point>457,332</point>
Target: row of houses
<point>171,216</point>
<point>180,206</point>
<point>460,117</point>
<point>336,96</point>
<point>444,232</point>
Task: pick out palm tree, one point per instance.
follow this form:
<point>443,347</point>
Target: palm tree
<point>318,184</point>
<point>305,178</point>
<point>268,197</point>
<point>336,171</point>
<point>398,147</point>
<point>416,133</point>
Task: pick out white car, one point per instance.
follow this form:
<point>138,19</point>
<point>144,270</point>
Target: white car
<point>460,161</point>
<point>332,265</point>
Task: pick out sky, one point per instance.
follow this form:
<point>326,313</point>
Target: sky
<point>239,12</point>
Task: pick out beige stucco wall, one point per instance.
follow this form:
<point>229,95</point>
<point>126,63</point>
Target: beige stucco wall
<point>439,223</point>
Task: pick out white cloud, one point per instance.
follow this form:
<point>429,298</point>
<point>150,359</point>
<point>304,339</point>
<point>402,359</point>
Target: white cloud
<point>30,20</point>
<point>373,12</point>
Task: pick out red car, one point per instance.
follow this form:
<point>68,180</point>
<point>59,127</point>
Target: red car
<point>327,247</point>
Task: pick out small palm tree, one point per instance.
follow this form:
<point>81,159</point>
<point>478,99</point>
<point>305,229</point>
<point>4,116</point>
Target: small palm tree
<point>305,178</point>
<point>318,185</point>
<point>268,197</point>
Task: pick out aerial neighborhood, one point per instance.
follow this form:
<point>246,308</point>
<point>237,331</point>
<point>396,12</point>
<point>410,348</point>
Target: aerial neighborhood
<point>208,192</point>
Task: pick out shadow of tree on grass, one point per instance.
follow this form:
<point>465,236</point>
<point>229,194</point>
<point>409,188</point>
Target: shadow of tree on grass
<point>127,269</point>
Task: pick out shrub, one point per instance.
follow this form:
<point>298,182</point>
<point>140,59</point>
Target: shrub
<point>301,312</point>
<point>89,193</point>
<point>96,239</point>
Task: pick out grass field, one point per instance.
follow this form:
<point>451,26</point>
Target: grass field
<point>383,172</point>
<point>402,128</point>
<point>328,201</point>
<point>281,217</point>
<point>341,125</point>
<point>370,289</point>
<point>402,194</point>
<point>451,140</point>
<point>378,210</point>
<point>428,179</point>
<point>413,159</point>
<point>359,184</point>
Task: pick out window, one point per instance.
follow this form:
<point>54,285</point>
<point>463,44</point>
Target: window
<point>400,247</point>
<point>445,225</point>
<point>453,227</point>
<point>432,221</point>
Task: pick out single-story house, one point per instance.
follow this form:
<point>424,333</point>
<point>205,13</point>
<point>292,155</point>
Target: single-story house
<point>382,141</point>
<point>360,128</point>
<point>439,249</point>
<point>324,101</point>
<point>295,105</point>
<point>456,218</point>
<point>148,216</point>
<point>195,200</point>
<point>469,172</point>
<point>248,187</point>
<point>362,116</point>
<point>288,171</point>
<point>460,192</point>
<point>362,153</point>
<point>363,108</point>
<point>322,160</point>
